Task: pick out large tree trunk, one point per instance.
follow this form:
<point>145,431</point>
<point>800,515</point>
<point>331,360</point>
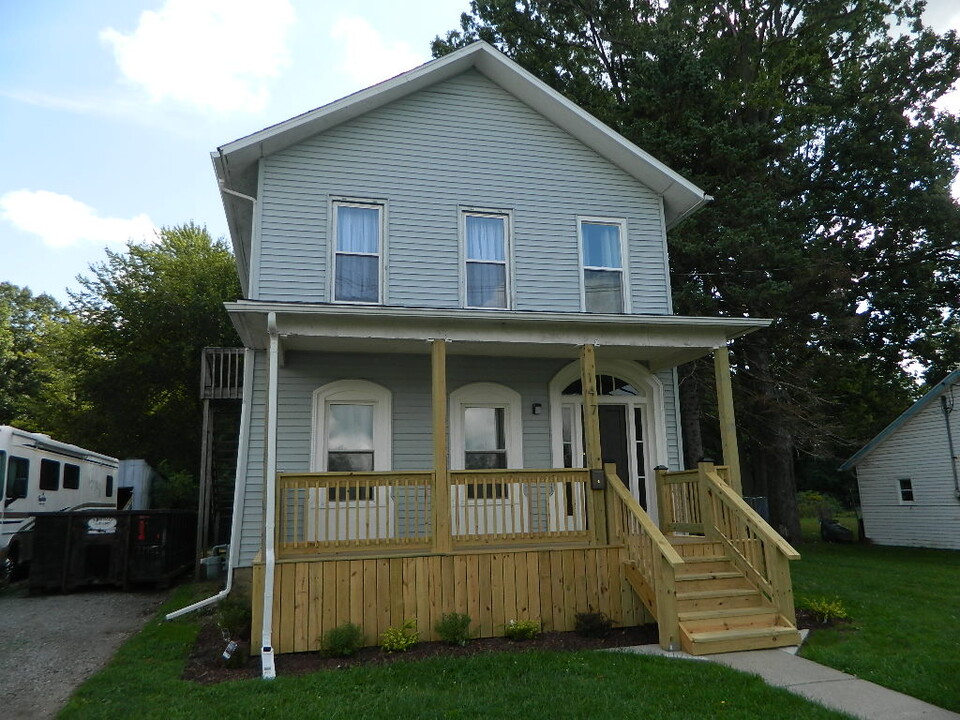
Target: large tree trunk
<point>690,392</point>
<point>774,440</point>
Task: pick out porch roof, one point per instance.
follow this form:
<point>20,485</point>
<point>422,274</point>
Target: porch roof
<point>659,341</point>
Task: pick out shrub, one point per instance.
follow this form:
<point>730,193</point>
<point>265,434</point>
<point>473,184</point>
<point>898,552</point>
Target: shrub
<point>454,628</point>
<point>343,640</point>
<point>824,609</point>
<point>813,504</point>
<point>596,625</point>
<point>400,638</point>
<point>521,629</point>
<point>234,616</point>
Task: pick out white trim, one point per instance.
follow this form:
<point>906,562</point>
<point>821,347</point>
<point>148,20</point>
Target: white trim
<point>256,241</point>
<point>493,395</point>
<point>507,215</point>
<point>625,284</point>
<point>359,392</point>
<point>334,203</point>
<point>654,416</point>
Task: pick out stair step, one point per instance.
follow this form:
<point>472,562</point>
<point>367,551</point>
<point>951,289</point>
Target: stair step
<point>726,592</point>
<point>713,575</point>
<point>736,581</point>
<point>717,563</point>
<point>714,600</point>
<point>759,619</point>
<point>717,636</point>
<point>721,613</point>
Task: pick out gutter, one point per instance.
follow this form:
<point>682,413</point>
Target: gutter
<point>239,490</point>
<point>947,407</point>
<point>268,668</point>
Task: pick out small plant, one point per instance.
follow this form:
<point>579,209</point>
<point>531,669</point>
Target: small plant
<point>234,617</point>
<point>400,638</point>
<point>826,610</point>
<point>521,629</point>
<point>454,628</point>
<point>343,640</point>
<point>596,625</point>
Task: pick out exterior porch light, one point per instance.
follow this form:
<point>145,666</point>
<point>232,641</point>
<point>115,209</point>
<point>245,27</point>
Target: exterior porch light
<point>536,408</point>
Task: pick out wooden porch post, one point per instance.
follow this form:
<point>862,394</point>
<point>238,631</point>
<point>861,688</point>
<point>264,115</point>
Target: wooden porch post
<point>596,507</point>
<point>441,475</point>
<point>728,425</point>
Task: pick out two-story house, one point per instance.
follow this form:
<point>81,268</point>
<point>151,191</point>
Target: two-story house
<point>461,388</point>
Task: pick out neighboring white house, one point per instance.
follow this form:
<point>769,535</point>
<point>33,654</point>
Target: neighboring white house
<point>908,474</point>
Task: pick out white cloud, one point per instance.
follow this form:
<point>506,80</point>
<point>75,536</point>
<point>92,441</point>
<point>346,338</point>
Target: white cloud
<point>212,54</point>
<point>60,221</point>
<point>367,57</point>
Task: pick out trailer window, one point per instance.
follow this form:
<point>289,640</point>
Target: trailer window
<point>109,485</point>
<point>71,476</point>
<point>49,475</point>
<point>18,474</point>
<point>3,466</point>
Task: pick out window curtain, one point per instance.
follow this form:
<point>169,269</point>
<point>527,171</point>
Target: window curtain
<point>485,238</point>
<point>601,245</point>
<point>358,229</point>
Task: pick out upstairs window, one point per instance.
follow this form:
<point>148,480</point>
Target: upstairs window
<point>486,237</point>
<point>602,260</point>
<point>357,253</point>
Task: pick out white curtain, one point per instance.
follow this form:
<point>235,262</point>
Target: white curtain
<point>485,238</point>
<point>601,245</point>
<point>358,229</point>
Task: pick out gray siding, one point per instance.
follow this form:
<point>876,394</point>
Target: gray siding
<point>917,450</point>
<point>408,379</point>
<point>464,142</point>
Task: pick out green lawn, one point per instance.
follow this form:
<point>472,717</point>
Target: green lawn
<point>143,682</point>
<point>905,629</point>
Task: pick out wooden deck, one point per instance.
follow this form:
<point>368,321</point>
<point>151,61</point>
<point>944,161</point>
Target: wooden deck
<point>538,545</point>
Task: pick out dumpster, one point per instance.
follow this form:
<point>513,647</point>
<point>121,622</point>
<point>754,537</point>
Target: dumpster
<point>115,548</point>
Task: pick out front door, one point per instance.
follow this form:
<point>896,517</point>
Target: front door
<point>620,427</point>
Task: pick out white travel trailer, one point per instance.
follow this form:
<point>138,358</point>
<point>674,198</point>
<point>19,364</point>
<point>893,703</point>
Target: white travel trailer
<point>39,474</point>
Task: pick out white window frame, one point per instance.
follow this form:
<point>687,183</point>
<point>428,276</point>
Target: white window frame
<point>486,395</point>
<point>507,216</point>
<point>621,223</point>
<point>353,392</point>
<point>912,490</point>
<point>372,204</point>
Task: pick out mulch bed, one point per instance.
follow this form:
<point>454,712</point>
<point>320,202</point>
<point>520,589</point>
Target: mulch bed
<point>206,666</point>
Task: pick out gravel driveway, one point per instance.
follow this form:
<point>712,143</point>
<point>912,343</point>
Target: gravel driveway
<point>50,644</point>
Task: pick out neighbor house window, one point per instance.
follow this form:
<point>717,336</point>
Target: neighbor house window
<point>486,253</point>
<point>602,260</point>
<point>906,490</point>
<point>357,252</point>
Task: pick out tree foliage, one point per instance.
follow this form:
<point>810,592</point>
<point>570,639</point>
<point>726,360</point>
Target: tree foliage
<point>126,367</point>
<point>814,125</point>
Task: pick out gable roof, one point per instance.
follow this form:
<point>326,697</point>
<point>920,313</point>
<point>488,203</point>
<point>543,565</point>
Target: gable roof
<point>236,163</point>
<point>939,389</point>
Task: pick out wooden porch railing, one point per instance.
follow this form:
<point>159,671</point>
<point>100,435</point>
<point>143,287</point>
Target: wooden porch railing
<point>336,513</point>
<point>652,562</point>
<point>700,502</point>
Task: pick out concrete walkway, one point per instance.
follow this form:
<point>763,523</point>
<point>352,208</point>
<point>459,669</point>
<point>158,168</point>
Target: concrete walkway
<point>831,688</point>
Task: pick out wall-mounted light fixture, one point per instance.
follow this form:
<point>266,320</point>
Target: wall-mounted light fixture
<point>537,408</point>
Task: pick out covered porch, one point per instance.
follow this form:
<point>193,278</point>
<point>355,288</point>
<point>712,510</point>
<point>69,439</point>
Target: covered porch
<point>380,547</point>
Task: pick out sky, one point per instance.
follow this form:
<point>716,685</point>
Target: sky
<point>109,109</point>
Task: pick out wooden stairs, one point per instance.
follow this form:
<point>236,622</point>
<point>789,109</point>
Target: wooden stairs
<point>718,608</point>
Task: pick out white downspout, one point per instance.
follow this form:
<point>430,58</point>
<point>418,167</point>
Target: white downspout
<point>270,500</point>
<point>239,490</point>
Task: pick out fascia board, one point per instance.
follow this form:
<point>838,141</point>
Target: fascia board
<point>241,250</point>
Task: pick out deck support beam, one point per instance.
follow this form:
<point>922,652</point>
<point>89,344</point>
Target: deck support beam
<point>728,424</point>
<point>596,504</point>
<point>440,492</point>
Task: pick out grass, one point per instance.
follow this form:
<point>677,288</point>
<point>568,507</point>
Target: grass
<point>143,682</point>
<point>905,629</point>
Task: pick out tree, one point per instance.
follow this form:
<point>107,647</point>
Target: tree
<point>814,124</point>
<point>26,320</point>
<point>134,345</point>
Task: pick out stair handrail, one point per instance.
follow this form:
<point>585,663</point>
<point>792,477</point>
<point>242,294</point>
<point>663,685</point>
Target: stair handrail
<point>660,574</point>
<point>773,576</point>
